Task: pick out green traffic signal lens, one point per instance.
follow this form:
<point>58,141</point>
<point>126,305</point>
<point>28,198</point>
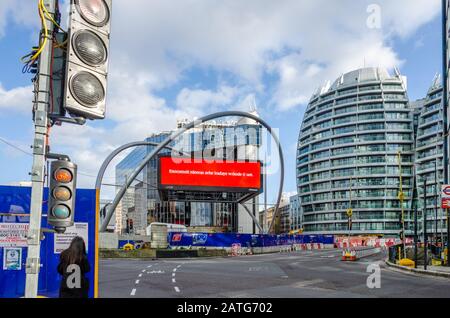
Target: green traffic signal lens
<point>61,211</point>
<point>62,194</point>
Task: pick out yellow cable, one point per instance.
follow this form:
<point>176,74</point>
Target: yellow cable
<point>44,24</point>
<point>49,16</point>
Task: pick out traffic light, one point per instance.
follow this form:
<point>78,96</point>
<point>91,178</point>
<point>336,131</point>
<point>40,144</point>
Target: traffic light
<point>87,58</point>
<point>61,201</point>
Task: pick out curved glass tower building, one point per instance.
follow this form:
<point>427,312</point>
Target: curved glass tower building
<point>352,136</point>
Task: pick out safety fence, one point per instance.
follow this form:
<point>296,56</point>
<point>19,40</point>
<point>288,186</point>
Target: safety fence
<point>346,242</point>
<point>246,244</point>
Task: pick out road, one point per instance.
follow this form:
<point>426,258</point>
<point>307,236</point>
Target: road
<point>301,274</point>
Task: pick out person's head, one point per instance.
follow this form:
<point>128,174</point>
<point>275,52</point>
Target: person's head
<point>76,251</point>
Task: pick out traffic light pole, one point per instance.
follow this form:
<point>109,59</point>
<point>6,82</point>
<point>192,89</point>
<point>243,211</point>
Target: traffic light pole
<point>41,107</point>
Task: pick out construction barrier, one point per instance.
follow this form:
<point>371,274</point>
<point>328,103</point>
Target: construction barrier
<point>349,242</point>
<point>353,254</point>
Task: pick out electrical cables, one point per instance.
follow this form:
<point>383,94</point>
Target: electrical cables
<point>30,59</point>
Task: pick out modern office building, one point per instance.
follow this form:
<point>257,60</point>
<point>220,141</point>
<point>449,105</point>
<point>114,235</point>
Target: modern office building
<point>238,140</point>
<point>352,136</point>
<point>282,222</point>
<point>295,213</point>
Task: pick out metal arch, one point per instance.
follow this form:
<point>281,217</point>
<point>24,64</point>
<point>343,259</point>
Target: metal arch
<point>101,172</point>
<point>104,166</point>
<point>176,134</point>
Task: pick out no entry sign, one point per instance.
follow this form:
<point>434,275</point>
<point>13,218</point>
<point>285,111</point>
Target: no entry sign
<point>445,196</point>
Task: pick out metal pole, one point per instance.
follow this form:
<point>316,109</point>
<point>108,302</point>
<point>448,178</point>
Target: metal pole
<point>41,107</point>
<point>445,102</point>
<point>425,239</point>
<point>415,237</point>
<point>265,191</point>
<point>401,198</point>
<point>435,205</point>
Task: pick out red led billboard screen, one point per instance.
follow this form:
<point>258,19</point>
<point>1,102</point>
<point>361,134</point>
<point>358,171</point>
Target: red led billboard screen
<point>204,175</point>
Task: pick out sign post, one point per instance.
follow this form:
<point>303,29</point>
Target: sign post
<point>445,194</point>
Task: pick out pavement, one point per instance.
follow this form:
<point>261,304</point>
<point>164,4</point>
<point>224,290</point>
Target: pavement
<point>438,271</point>
<point>301,274</point>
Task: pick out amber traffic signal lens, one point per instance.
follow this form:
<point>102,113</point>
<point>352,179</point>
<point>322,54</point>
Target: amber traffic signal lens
<point>63,175</point>
<point>62,194</point>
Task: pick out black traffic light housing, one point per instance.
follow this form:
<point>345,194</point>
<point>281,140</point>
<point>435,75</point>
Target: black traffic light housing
<point>61,196</point>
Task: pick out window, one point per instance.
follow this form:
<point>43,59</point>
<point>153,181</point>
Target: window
<point>344,130</point>
<point>320,145</point>
<point>371,137</point>
<point>345,110</point>
<point>371,116</point>
<point>397,115</point>
<point>364,127</point>
<point>370,106</point>
<point>399,136</point>
<point>344,150</point>
<point>344,120</point>
<point>343,140</point>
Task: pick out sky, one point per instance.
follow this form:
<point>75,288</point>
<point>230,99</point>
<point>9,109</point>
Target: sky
<point>173,59</point>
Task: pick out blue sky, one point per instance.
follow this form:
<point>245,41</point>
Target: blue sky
<point>167,65</point>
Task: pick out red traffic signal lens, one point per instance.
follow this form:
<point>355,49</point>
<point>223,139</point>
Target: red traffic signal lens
<point>63,175</point>
<point>62,194</point>
<point>61,211</point>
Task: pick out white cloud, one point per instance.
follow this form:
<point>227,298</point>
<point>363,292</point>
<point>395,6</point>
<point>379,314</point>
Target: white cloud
<point>18,99</point>
<point>198,100</point>
<point>23,12</point>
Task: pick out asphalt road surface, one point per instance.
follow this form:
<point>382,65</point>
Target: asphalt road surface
<point>301,274</point>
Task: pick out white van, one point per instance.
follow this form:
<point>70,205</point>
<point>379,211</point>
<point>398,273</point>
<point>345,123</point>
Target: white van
<point>170,228</point>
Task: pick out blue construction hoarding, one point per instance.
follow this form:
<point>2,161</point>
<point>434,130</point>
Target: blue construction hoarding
<point>220,240</point>
<point>14,207</point>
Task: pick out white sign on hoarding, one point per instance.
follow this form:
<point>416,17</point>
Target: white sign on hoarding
<point>12,259</point>
<point>13,234</point>
<point>62,241</point>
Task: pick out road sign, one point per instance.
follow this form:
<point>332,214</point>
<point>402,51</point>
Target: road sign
<point>445,194</point>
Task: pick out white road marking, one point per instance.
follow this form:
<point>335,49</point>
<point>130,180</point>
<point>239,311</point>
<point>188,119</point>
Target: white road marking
<point>140,275</point>
<point>173,274</point>
<point>178,266</point>
<point>177,289</point>
<point>149,266</point>
<point>174,269</point>
<point>137,281</point>
<point>173,280</point>
<point>133,292</point>
<point>143,270</point>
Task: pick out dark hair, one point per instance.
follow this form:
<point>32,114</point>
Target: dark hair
<point>75,253</point>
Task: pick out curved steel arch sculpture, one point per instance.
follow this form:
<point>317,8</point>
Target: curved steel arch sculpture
<point>171,138</point>
<point>116,152</point>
